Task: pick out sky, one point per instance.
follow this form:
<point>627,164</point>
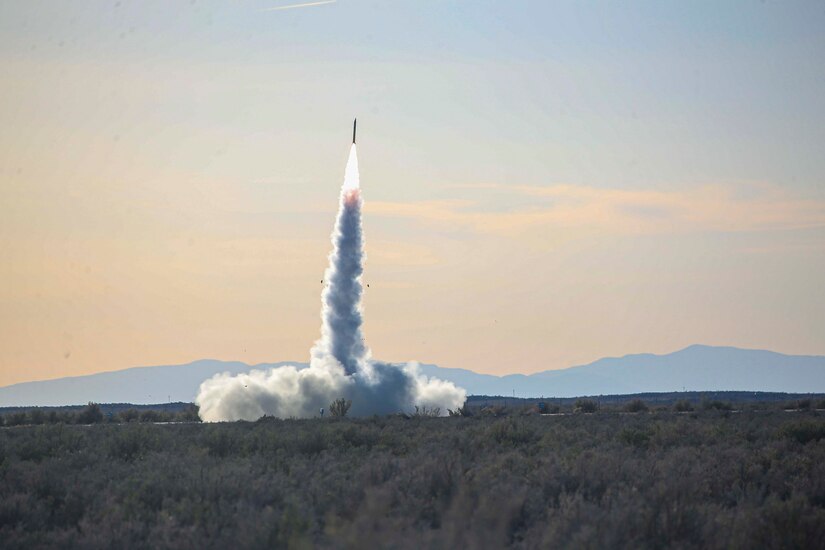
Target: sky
<point>545,183</point>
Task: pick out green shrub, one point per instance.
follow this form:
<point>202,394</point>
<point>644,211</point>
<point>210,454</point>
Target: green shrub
<point>151,416</point>
<point>190,414</point>
<point>91,414</point>
<point>683,405</point>
<point>634,437</point>
<point>311,443</point>
<point>585,406</point>
<point>543,407</point>
<point>512,431</point>
<point>636,405</point>
<point>33,450</point>
<point>805,431</point>
<point>716,405</point>
<point>221,441</point>
<point>129,415</point>
<point>17,419</point>
<point>37,416</point>
<point>131,442</point>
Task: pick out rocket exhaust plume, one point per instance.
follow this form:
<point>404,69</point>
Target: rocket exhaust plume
<point>340,363</point>
<point>341,335</point>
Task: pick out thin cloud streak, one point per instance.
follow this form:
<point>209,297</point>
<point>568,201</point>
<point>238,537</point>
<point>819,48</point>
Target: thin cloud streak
<point>710,208</point>
<point>305,5</point>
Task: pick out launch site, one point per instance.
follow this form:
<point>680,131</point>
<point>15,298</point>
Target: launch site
<point>559,288</point>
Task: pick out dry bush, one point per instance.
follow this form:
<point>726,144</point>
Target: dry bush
<point>426,412</point>
<point>340,407</point>
<point>463,410</point>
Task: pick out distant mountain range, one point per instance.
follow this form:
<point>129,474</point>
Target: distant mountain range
<point>696,368</point>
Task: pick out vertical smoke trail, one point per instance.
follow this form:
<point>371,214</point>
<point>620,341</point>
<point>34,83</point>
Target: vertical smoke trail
<point>340,364</point>
<point>341,335</point>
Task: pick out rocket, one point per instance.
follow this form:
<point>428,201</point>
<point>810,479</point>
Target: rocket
<point>353,130</point>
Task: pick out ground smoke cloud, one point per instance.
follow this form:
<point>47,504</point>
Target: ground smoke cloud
<point>340,364</point>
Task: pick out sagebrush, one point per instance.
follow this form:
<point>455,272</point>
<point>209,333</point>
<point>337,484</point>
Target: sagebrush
<point>706,479</point>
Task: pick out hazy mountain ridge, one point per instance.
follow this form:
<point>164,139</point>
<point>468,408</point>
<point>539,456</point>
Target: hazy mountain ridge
<point>695,368</point>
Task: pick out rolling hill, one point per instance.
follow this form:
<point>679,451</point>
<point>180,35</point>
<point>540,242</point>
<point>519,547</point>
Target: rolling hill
<point>695,368</point>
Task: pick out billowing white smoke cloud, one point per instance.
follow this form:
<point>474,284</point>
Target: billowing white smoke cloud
<point>340,364</point>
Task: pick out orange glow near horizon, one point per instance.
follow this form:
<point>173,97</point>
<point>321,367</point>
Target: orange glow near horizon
<point>170,174</point>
